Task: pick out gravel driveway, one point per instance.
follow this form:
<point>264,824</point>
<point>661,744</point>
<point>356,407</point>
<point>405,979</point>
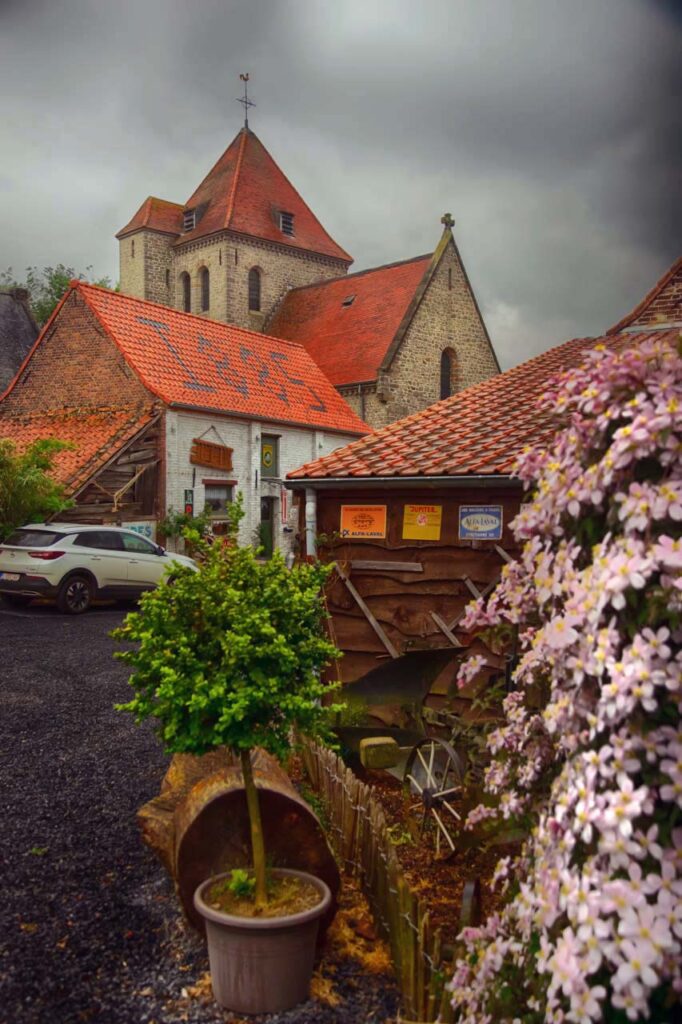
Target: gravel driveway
<point>89,926</point>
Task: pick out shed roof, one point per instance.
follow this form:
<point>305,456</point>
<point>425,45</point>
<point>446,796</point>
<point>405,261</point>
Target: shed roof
<point>477,432</point>
<point>95,434</point>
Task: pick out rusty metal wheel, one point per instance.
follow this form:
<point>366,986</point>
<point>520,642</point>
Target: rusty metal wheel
<point>434,776</point>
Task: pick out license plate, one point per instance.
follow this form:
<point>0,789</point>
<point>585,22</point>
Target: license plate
<point>11,577</point>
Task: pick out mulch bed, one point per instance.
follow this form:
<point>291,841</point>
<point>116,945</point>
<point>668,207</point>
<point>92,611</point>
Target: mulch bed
<point>439,883</point>
<point>90,929</point>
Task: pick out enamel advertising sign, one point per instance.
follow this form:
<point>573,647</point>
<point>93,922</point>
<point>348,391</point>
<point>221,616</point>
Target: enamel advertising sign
<point>422,522</point>
<point>363,522</point>
<point>480,522</point>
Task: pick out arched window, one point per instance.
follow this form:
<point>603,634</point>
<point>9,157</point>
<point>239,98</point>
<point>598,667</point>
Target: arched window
<point>448,369</point>
<point>186,286</point>
<point>204,278</point>
<point>254,290</point>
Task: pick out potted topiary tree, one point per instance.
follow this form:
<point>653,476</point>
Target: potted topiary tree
<point>231,656</point>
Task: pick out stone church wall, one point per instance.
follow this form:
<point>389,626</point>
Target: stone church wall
<point>447,318</point>
<point>229,259</point>
<point>145,261</point>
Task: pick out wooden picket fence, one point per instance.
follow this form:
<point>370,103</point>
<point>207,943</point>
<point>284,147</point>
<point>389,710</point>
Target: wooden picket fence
<point>359,833</point>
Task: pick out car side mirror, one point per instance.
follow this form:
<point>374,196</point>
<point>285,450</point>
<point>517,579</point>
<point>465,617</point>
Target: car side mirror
<point>160,550</point>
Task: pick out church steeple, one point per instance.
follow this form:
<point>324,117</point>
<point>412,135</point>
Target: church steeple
<point>247,192</point>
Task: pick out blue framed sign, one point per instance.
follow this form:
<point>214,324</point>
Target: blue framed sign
<point>480,522</point>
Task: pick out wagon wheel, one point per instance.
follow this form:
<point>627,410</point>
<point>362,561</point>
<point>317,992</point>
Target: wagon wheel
<point>434,774</point>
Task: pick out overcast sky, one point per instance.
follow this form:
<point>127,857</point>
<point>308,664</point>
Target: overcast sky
<point>550,129</point>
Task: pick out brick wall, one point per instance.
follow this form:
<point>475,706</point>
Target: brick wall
<point>447,318</point>
<point>76,365</point>
<point>666,306</point>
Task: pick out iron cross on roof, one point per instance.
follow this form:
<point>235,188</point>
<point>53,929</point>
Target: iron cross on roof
<point>244,100</point>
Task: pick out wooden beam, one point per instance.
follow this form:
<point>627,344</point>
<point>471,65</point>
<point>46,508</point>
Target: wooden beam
<point>369,566</point>
<point>471,587</point>
<point>503,554</point>
<point>368,614</point>
<point>446,630</point>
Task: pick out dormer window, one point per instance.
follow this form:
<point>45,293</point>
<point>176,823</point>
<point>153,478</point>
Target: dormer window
<point>348,301</point>
<point>189,220</point>
<point>286,223</point>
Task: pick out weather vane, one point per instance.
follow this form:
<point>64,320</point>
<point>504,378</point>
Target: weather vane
<point>244,100</point>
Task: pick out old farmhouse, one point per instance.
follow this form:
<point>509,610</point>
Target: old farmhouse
<point>247,250</point>
<point>169,410</point>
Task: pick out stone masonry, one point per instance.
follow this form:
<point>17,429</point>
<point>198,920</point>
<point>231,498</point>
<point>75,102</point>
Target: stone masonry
<point>447,318</point>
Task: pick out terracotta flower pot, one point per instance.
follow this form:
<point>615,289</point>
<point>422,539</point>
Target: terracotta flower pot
<point>262,964</point>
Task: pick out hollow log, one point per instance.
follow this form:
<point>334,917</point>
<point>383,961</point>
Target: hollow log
<point>198,825</point>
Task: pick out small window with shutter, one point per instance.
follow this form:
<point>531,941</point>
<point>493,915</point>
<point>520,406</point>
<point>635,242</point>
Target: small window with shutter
<point>286,223</point>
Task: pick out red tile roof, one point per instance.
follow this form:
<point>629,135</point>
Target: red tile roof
<point>349,342</point>
<point>157,215</point>
<point>478,431</point>
<point>246,192</point>
<point>662,305</point>
<point>96,435</point>
<point>192,361</point>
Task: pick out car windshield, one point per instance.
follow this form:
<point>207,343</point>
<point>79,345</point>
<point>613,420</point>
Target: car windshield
<point>32,538</point>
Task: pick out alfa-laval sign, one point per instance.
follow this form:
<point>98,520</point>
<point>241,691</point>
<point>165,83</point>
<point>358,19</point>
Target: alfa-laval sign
<point>480,522</point>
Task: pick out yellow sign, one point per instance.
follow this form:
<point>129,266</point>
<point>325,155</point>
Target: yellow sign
<point>363,521</point>
<point>422,522</point>
<point>268,455</point>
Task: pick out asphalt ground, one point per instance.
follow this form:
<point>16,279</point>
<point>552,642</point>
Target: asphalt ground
<point>90,929</point>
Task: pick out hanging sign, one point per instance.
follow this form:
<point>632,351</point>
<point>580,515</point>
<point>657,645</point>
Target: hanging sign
<point>480,522</point>
<point>363,521</point>
<point>422,522</point>
<point>189,501</point>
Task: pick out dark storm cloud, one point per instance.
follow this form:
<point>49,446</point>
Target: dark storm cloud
<point>550,129</point>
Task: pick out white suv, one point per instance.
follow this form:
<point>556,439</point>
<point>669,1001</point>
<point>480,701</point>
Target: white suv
<point>76,563</point>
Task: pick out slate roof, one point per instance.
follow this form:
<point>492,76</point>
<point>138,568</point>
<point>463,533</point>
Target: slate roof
<point>96,435</point>
<point>18,331</point>
<point>350,341</point>
<point>195,362</point>
<point>244,192</point>
<point>662,305</point>
<point>157,215</point>
<point>476,432</point>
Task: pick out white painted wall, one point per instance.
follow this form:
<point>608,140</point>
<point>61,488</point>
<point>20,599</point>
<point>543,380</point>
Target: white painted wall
<point>296,446</point>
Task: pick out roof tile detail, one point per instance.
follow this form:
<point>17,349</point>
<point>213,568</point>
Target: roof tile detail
<point>246,192</point>
<point>96,435</point>
<point>195,362</point>
<point>347,324</point>
<point>476,432</point>
<point>662,305</point>
<point>155,215</point>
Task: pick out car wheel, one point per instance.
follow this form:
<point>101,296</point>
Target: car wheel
<point>75,595</point>
<point>17,600</point>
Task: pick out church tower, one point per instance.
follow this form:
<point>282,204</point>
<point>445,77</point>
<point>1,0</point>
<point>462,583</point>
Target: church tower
<point>233,250</point>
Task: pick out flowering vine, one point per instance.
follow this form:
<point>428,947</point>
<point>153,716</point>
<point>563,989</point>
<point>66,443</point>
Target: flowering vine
<point>588,755</point>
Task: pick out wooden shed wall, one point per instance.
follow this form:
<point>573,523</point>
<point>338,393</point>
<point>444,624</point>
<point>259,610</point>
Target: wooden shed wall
<point>403,603</point>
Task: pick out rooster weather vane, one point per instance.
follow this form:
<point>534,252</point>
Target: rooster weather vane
<point>244,100</point>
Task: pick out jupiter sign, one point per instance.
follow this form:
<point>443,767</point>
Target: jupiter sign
<point>480,522</point>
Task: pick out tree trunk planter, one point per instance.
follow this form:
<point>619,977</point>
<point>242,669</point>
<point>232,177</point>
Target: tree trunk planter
<point>262,965</point>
